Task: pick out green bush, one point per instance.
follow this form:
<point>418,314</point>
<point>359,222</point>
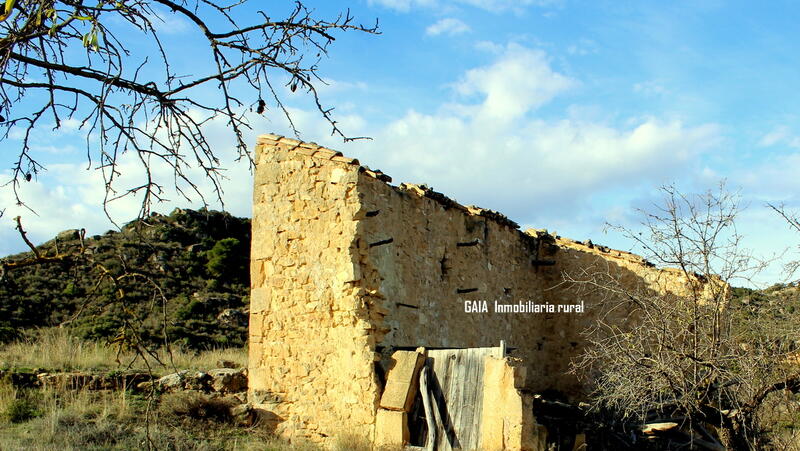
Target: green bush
<point>8,333</point>
<point>194,308</point>
<point>225,259</point>
<point>22,409</point>
<point>70,290</point>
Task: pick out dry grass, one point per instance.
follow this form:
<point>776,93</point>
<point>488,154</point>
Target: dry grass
<point>347,442</point>
<point>56,349</point>
<point>47,419</point>
<point>7,394</point>
<point>50,418</point>
<point>85,420</point>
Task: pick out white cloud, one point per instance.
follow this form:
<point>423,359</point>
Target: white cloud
<point>583,47</point>
<point>489,47</point>
<point>167,22</point>
<point>493,148</point>
<point>536,163</point>
<point>767,181</point>
<point>330,86</point>
<point>768,236</point>
<point>650,88</point>
<point>402,5</point>
<point>68,196</point>
<point>496,5</point>
<point>488,5</point>
<point>521,80</point>
<point>773,180</point>
<point>448,26</point>
<point>780,135</point>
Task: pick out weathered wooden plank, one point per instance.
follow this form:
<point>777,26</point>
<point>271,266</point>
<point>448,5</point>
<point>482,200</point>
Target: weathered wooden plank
<point>430,442</point>
<point>457,386</point>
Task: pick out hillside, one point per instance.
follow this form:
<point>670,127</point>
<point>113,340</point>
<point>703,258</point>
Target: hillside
<point>780,299</point>
<point>198,261</point>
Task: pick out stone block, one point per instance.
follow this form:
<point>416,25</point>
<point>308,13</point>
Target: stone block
<point>391,429</point>
<point>402,381</point>
<point>507,421</point>
<point>260,299</point>
<point>228,380</point>
<point>267,173</point>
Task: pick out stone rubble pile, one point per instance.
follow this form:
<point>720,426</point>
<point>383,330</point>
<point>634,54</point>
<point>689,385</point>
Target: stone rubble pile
<point>220,380</point>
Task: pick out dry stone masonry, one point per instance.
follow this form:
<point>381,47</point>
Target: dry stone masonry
<point>348,269</point>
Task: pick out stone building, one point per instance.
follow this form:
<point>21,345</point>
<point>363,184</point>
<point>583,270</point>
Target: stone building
<point>347,269</point>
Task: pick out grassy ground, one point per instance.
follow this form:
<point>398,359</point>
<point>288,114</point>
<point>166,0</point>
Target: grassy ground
<point>82,420</point>
<point>49,418</point>
<point>57,350</point>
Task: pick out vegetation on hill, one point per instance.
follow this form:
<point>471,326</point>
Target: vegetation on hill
<point>779,300</point>
<point>185,274</point>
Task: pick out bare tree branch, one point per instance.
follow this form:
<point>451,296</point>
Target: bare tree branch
<point>127,103</point>
<point>793,220</point>
<point>679,349</point>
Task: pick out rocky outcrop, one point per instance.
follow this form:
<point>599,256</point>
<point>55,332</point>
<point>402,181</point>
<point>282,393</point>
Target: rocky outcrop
<point>228,380</point>
<point>232,318</point>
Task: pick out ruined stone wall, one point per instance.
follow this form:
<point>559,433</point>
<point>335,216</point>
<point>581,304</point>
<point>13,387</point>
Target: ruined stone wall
<point>424,256</point>
<point>346,266</point>
<point>311,360</point>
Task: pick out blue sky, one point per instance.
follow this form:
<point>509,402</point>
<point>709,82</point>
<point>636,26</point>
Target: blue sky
<point>562,115</point>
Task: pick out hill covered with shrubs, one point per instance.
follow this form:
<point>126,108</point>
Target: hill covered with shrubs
<point>184,276</point>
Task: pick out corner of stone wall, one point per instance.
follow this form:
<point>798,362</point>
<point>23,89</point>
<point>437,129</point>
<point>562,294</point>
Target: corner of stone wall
<point>311,337</point>
<point>373,192</point>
